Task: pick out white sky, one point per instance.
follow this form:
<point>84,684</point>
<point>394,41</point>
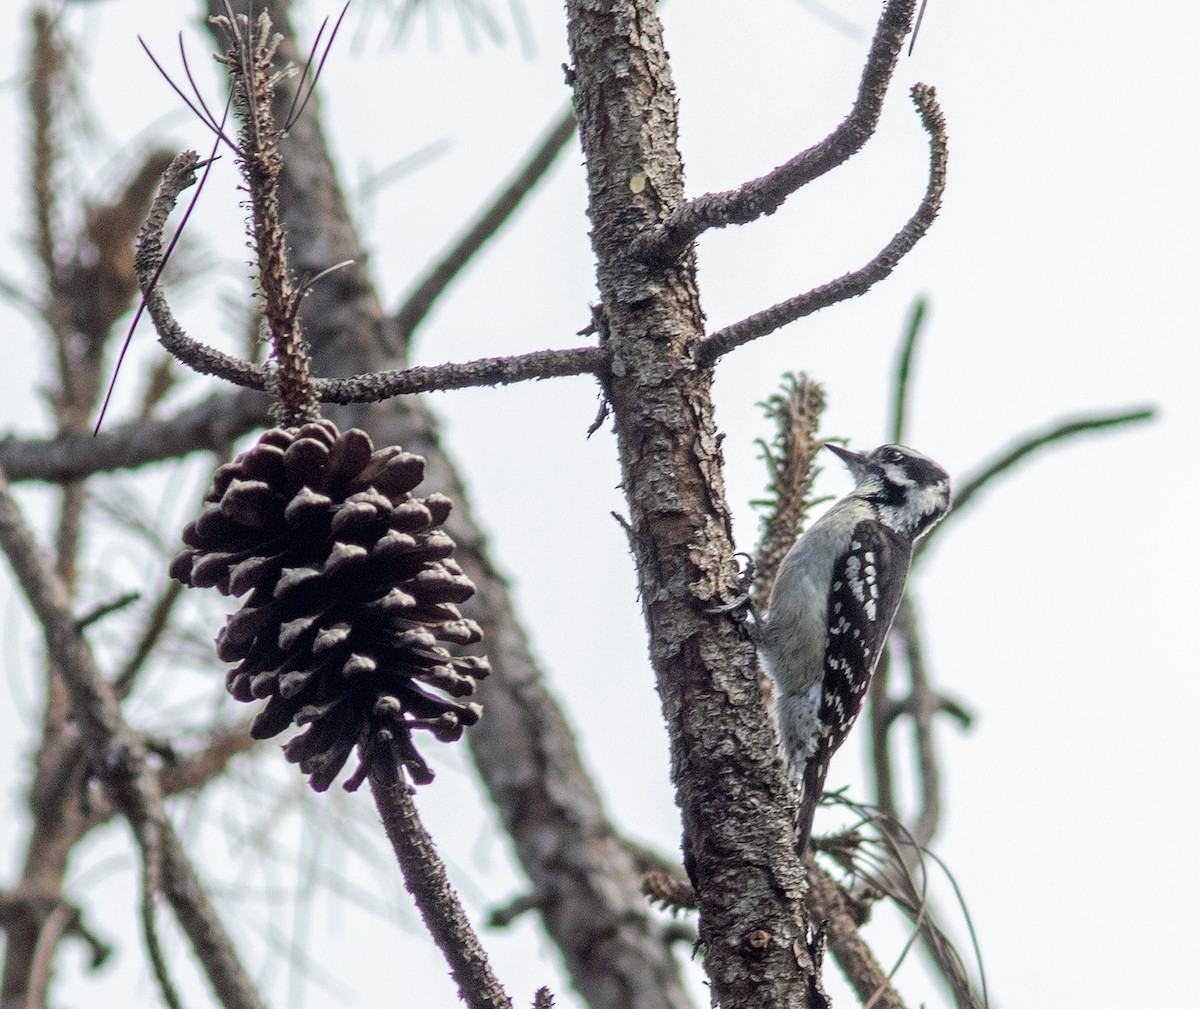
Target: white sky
<point>1061,611</point>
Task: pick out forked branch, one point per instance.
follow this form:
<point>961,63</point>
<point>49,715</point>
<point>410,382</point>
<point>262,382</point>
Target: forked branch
<point>862,280</point>
<point>367,388</point>
<point>765,195</point>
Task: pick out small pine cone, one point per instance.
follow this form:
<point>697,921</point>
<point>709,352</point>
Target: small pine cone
<point>350,594</point>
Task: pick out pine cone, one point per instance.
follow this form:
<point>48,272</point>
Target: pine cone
<point>351,588</point>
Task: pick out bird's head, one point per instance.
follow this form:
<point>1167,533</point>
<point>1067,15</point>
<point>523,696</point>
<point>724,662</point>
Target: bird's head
<point>910,490</point>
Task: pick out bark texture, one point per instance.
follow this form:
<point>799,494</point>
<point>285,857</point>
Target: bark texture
<point>739,841</point>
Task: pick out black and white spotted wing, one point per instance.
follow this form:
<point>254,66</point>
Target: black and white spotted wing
<point>863,599</point>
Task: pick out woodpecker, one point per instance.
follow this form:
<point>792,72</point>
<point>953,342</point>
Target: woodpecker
<point>833,601</point>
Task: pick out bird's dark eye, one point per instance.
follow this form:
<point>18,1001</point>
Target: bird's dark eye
<point>893,455</point>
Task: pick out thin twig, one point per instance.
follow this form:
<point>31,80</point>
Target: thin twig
<point>862,280</point>
<point>156,624</point>
<point>904,369</point>
<point>763,196</point>
<point>119,758</point>
<point>250,59</point>
<point>199,357</point>
<point>107,609</point>
<point>488,371</point>
<point>878,703</point>
<point>193,772</point>
<point>369,388</point>
<point>922,703</point>
<point>154,953</point>
<point>162,378</point>
<point>425,877</point>
<point>670,890</point>
<point>970,486</point>
<point>417,305</point>
<point>829,904</point>
<point>502,917</point>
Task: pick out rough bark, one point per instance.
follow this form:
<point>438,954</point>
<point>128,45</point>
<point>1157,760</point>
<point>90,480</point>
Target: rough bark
<point>739,841</point>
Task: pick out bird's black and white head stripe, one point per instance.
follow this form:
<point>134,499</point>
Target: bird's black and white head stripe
<point>910,491</point>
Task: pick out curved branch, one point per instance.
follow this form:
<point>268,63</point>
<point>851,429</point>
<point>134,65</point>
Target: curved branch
<point>921,703</point>
<point>366,388</point>
<point>417,305</point>
<point>180,175</point>
<point>862,280</point>
<point>765,195</point>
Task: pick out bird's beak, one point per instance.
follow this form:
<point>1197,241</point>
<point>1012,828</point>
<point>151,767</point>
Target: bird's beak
<point>856,462</point>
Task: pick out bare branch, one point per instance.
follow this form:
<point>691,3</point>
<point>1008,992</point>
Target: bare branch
<point>830,905</point>
<point>904,366</point>
<point>765,195</point>
<point>199,357</point>
<point>156,625</point>
<point>921,703</point>
<point>250,57</point>
<point>490,371</point>
<point>23,903</point>
<point>976,482</point>
<point>118,756</point>
<point>366,388</point>
<point>425,877</point>
<point>154,952</point>
<point>54,927</point>
<point>862,280</point>
<point>194,772</point>
<point>48,60</point>
<point>670,890</point>
<point>210,425</point>
<point>417,305</point>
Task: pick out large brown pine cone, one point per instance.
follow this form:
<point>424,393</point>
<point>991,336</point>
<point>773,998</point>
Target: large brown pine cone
<point>351,588</point>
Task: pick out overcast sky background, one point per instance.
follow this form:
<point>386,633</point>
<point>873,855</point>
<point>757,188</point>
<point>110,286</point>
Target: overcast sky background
<point>1061,610</point>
